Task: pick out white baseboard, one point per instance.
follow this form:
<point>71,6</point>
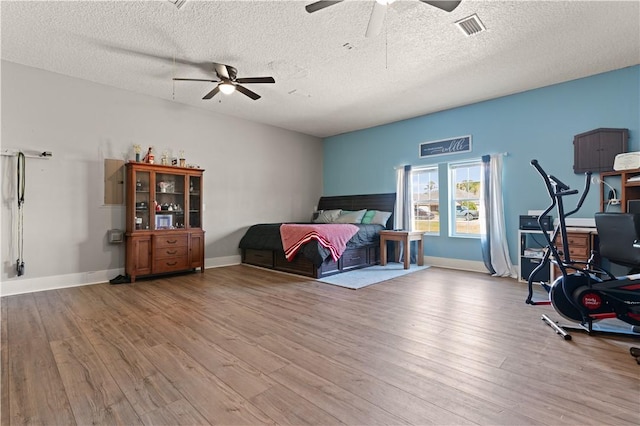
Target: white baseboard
<point>460,264</point>
<point>216,262</point>
<point>20,285</point>
<point>30,285</point>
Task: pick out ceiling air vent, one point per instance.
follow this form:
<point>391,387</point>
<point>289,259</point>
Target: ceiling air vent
<point>471,25</point>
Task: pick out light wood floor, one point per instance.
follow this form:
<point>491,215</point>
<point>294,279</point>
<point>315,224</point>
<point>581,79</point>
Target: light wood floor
<point>242,345</point>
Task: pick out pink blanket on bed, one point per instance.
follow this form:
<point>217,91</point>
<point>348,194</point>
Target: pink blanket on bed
<point>331,235</point>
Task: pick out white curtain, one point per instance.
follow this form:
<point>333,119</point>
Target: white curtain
<point>495,249</point>
<point>402,217</point>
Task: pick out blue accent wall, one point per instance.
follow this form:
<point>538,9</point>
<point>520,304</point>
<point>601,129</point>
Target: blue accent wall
<point>536,124</point>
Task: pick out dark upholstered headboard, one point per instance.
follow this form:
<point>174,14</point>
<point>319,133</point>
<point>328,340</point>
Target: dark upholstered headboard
<point>383,202</point>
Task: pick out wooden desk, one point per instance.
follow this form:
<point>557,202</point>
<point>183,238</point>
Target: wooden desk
<point>404,237</point>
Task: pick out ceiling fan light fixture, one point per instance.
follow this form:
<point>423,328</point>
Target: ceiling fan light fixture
<point>227,88</point>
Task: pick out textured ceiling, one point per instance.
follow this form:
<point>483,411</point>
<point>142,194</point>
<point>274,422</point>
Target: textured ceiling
<point>330,78</point>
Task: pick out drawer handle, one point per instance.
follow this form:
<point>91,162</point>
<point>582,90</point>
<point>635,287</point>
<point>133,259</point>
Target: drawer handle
<point>172,263</point>
<point>355,258</point>
<point>172,252</point>
<point>172,241</point>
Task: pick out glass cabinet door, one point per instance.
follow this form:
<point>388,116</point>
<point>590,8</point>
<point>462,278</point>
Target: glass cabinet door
<point>170,201</point>
<point>195,203</point>
<point>142,200</point>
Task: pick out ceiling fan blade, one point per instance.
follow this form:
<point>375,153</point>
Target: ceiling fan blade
<point>377,19</point>
<point>314,7</point>
<point>446,5</point>
<point>195,79</point>
<point>248,80</point>
<point>204,66</point>
<point>212,93</point>
<point>249,93</point>
<point>222,71</point>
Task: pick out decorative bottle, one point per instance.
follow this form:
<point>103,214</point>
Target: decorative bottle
<point>150,156</point>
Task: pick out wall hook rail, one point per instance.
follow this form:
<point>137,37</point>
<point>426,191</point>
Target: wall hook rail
<point>28,154</point>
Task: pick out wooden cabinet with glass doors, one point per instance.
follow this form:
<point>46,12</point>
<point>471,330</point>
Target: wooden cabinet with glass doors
<point>164,220</point>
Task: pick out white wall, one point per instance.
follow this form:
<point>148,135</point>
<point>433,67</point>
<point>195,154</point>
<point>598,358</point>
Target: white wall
<point>254,173</point>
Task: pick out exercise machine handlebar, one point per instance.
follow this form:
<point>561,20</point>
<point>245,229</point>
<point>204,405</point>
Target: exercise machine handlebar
<point>557,188</point>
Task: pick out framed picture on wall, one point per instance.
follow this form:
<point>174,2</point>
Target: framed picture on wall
<point>455,145</point>
<point>164,221</point>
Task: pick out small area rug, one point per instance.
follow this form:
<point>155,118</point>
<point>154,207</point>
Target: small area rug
<point>372,275</point>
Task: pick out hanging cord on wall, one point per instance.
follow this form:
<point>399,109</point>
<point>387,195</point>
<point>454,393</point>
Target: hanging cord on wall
<point>20,233</point>
<point>173,80</point>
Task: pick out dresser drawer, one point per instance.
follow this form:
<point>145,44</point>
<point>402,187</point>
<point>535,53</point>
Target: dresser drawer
<point>354,257</point>
<point>577,240</point>
<point>170,264</point>
<point>161,241</point>
<point>299,264</point>
<point>579,245</point>
<point>259,257</point>
<point>329,265</point>
<point>170,252</point>
<point>579,253</point>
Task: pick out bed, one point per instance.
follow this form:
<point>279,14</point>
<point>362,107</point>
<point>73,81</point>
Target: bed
<point>262,244</point>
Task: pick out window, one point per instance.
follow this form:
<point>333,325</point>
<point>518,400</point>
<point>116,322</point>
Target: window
<point>464,197</point>
<point>426,206</point>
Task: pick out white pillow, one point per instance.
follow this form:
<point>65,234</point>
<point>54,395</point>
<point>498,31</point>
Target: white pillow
<point>327,216</point>
<point>381,218</point>
<point>351,216</point>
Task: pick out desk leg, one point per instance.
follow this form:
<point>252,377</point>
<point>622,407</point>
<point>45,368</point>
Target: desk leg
<point>420,252</point>
<point>383,252</point>
<point>407,253</point>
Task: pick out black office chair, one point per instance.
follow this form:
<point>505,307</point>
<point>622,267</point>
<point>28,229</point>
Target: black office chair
<point>619,235</point>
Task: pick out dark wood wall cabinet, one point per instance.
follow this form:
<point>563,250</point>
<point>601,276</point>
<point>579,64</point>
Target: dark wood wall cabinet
<point>596,150</point>
<point>164,220</point>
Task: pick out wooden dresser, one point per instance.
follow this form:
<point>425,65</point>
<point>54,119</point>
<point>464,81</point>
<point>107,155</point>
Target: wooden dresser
<point>164,219</point>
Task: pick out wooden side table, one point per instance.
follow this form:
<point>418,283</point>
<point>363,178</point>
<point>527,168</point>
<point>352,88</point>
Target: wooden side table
<point>404,237</point>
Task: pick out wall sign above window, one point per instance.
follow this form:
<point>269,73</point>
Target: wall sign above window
<point>446,146</point>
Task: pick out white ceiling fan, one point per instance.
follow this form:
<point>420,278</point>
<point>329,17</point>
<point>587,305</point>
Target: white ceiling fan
<point>380,11</point>
<point>228,82</point>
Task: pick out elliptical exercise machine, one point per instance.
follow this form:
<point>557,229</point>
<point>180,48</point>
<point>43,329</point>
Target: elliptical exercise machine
<point>585,293</point>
